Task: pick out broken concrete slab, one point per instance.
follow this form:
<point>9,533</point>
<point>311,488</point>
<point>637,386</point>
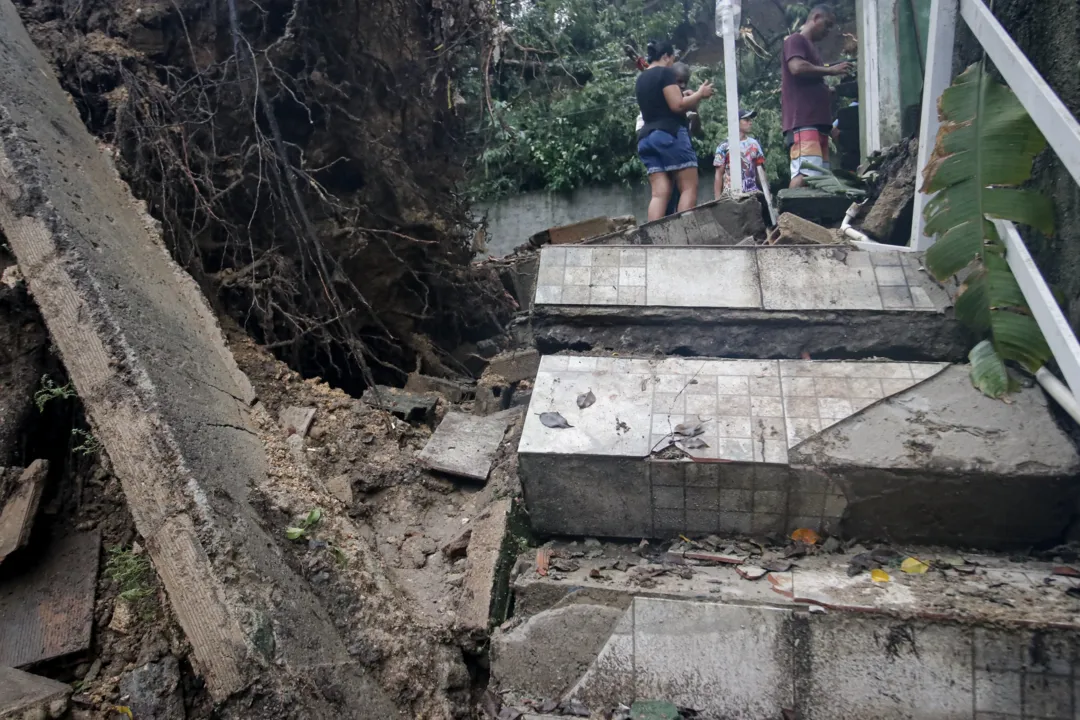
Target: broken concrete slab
<point>574,232</point>
<point>915,462</point>
<point>544,656</point>
<point>410,407</point>
<point>20,508</point>
<point>485,593</point>
<point>165,397</point>
<point>340,486</point>
<point>297,420</point>
<point>453,390</point>
<point>24,696</point>
<point>625,468</point>
<point>47,609</point>
<point>746,662</point>
<point>493,395</point>
<point>720,222</point>
<point>516,365</point>
<point>794,230</point>
<point>830,301</point>
<point>465,445</point>
<point>742,659</point>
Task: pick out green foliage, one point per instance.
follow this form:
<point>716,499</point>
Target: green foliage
<point>135,577</point>
<point>984,151</point>
<point>562,107</point>
<point>837,183</point>
<point>49,390</point>
<point>300,532</point>
<point>89,445</point>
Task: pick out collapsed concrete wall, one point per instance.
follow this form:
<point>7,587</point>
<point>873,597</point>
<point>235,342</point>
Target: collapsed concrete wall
<point>167,400</point>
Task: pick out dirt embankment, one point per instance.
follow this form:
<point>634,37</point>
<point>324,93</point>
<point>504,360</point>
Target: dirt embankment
<point>302,158</point>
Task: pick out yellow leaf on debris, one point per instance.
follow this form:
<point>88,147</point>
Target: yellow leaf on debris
<point>124,710</point>
<point>879,575</point>
<point>806,535</point>
<point>914,566</point>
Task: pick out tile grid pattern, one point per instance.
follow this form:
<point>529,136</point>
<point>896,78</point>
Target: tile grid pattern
<point>591,276</point>
<point>617,276</point>
<point>1014,674</point>
<point>752,412</point>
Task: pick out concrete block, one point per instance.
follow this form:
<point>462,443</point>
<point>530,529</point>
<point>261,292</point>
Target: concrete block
<point>485,590</point>
<point>766,301</point>
<point>544,656</point>
<point>411,407</point>
<point>794,230</point>
<point>20,507</point>
<point>297,420</point>
<point>515,366</point>
<point>453,390</point>
<point>465,445</point>
<point>721,660</point>
<point>804,444</point>
<point>24,696</point>
<point>942,462</point>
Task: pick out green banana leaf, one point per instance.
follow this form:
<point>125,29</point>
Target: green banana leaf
<point>985,148</point>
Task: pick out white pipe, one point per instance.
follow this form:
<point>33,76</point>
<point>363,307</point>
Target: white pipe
<point>845,227</point>
<point>1059,391</point>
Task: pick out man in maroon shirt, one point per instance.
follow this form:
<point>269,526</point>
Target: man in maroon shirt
<point>804,96</point>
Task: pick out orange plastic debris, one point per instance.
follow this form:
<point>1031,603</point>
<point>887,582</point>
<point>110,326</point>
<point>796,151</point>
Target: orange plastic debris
<point>806,535</point>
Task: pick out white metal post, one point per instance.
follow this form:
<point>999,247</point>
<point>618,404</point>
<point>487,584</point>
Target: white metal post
<point>869,57</point>
<point>939,60</point>
<point>1044,308</point>
<point>728,17</point>
<point>1055,121</point>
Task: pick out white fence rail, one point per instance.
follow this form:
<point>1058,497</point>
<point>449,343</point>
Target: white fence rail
<point>1061,129</point>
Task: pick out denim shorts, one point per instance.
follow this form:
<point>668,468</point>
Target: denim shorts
<point>663,152</point>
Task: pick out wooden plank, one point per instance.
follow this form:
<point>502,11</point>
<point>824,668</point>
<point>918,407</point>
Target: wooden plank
<point>1055,121</point>
<point>47,611</point>
<point>576,232</point>
<point>939,58</point>
<point>17,516</point>
<point>1044,307</point>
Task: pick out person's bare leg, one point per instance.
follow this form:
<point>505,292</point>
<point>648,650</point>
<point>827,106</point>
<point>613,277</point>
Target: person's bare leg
<point>687,181</point>
<point>798,181</point>
<point>660,185</point>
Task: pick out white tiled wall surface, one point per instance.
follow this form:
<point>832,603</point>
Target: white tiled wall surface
<point>771,278</point>
<point>751,412</point>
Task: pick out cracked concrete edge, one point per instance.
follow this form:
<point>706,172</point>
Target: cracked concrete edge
<point>754,334</point>
<point>139,443</point>
<point>120,397</point>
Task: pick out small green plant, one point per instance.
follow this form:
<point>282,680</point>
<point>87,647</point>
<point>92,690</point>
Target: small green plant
<point>89,445</point>
<point>135,576</point>
<point>301,531</point>
<point>49,390</point>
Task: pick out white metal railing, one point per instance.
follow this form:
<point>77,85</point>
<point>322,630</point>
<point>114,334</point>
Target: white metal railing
<point>1062,132</point>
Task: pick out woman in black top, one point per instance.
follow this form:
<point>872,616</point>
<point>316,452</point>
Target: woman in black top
<point>664,142</point>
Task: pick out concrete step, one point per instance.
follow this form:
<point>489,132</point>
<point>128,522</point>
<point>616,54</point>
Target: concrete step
<point>1000,642</point>
<point>828,301</point>
<point>904,451</point>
